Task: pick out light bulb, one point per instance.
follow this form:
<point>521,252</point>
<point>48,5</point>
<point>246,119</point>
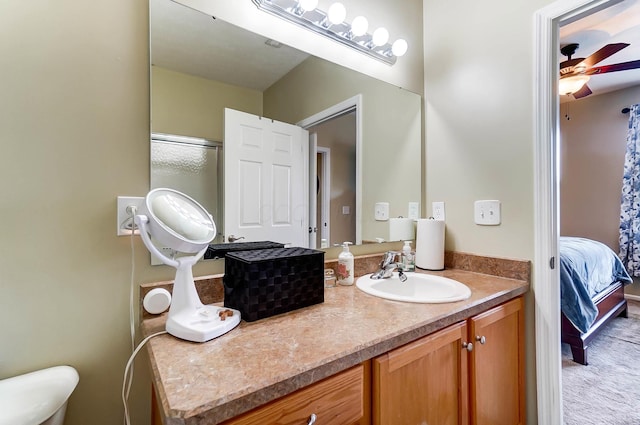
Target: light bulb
<point>380,36</point>
<point>399,47</point>
<point>337,13</point>
<point>308,5</point>
<point>359,26</point>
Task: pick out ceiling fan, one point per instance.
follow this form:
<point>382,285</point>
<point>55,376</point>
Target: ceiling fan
<point>575,73</point>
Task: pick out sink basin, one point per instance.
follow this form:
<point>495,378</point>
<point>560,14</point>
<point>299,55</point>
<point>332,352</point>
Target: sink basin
<point>418,288</point>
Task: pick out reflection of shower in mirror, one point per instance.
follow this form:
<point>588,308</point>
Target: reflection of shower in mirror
<point>192,166</point>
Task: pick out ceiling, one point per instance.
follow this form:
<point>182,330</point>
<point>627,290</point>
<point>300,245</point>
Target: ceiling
<point>194,43</point>
<point>616,24</point>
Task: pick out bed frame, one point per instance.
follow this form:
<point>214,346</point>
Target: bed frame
<point>610,304</point>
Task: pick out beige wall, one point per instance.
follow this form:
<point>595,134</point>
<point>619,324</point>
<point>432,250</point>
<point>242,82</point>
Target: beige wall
<point>479,129</point>
<point>391,127</point>
<point>592,148</point>
<point>74,126</point>
<point>193,106</point>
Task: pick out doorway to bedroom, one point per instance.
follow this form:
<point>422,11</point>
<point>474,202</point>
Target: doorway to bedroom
<point>592,130</point>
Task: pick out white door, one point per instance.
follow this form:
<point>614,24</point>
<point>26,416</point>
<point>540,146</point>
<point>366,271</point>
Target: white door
<point>266,180</point>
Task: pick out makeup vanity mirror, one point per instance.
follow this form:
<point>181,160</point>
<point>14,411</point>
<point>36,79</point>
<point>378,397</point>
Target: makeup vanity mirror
<point>368,151</point>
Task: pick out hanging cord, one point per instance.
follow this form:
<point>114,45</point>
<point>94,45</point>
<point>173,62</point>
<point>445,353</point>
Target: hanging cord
<point>132,210</point>
<point>128,375</point>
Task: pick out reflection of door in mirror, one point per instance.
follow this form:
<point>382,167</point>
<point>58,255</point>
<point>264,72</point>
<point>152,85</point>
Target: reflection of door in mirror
<point>189,165</point>
<point>265,184</point>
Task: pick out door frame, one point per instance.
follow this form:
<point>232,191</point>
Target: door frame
<point>325,183</point>
<point>352,104</point>
<point>546,133</point>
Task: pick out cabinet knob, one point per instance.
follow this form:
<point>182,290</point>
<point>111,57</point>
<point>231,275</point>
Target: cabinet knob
<point>481,339</point>
<point>468,346</point>
<point>312,419</point>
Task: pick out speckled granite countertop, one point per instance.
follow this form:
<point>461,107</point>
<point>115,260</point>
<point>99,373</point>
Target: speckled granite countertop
<point>206,383</point>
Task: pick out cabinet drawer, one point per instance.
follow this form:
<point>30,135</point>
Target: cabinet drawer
<point>338,400</point>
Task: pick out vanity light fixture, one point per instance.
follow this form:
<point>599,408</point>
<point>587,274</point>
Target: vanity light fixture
<point>570,85</point>
<point>332,24</point>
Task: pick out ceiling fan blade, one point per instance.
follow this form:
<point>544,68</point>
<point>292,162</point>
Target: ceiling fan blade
<point>584,91</point>
<point>602,54</point>
<point>622,66</point>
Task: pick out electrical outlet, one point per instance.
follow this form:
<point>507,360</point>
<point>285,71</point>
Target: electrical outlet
<point>437,210</point>
<point>124,220</point>
<point>155,261</point>
<point>487,213</point>
<point>381,212</point>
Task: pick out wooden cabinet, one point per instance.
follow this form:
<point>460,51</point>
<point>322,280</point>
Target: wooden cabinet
<point>497,365</point>
<point>469,373</point>
<point>424,382</point>
<point>342,399</point>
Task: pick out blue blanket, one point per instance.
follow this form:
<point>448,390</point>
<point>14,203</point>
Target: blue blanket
<point>587,267</point>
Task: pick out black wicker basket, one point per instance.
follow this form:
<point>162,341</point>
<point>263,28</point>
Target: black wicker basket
<point>266,282</point>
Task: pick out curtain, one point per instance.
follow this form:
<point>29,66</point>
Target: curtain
<point>630,199</point>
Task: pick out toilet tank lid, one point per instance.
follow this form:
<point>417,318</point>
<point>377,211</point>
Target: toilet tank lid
<point>34,397</point>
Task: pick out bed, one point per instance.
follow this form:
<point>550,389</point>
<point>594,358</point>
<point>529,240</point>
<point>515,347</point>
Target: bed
<point>592,280</point>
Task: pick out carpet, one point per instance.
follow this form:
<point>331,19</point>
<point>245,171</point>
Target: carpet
<point>607,391</point>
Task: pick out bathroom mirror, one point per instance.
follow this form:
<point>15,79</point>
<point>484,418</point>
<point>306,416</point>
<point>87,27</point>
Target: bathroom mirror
<point>201,65</point>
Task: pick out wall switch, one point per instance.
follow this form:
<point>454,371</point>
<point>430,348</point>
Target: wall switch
<point>346,210</point>
<point>123,215</point>
<point>414,210</point>
<point>437,210</point>
<point>487,213</point>
<point>381,212</point>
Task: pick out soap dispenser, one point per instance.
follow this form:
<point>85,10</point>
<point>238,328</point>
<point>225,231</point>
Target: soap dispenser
<point>345,265</point>
<point>408,258</point>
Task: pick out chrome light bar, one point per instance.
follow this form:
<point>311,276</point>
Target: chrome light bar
<point>317,21</point>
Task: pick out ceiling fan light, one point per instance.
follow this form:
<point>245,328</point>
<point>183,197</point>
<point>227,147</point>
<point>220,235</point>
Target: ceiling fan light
<point>569,85</point>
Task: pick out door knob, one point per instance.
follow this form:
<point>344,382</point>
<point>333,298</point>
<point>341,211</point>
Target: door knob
<point>468,346</point>
<point>481,339</point>
<point>232,238</point>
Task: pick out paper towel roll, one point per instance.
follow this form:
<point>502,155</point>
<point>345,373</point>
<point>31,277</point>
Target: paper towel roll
<point>401,229</point>
<point>430,244</point>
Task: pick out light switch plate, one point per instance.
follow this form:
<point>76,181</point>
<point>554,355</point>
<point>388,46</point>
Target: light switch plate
<point>487,212</point>
<point>381,212</point>
<point>414,210</point>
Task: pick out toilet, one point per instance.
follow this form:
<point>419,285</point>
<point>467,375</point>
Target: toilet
<point>37,398</point>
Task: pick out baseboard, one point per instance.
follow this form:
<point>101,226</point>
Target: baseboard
<point>632,297</point>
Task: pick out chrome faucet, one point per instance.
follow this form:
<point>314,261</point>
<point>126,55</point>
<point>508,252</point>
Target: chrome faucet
<point>388,265</point>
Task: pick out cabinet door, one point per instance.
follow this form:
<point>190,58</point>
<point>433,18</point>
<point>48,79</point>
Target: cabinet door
<point>342,399</point>
<point>424,382</point>
<point>497,365</point>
